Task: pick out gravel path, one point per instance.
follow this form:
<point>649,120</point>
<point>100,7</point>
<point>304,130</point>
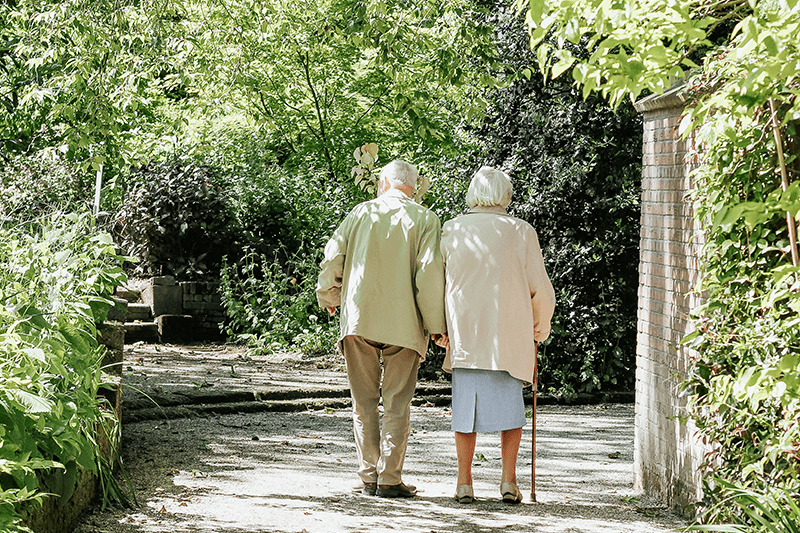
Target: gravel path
<point>291,470</point>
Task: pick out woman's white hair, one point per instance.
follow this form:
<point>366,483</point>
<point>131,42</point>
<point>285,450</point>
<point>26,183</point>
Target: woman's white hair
<point>489,188</point>
<point>398,173</point>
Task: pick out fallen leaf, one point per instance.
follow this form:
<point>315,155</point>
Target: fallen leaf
<point>163,509</point>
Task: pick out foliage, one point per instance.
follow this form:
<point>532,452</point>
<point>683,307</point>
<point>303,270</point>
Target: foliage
<point>635,47</point>
<point>576,171</point>
<point>772,512</point>
<point>743,116</point>
<point>320,77</point>
<point>176,218</point>
<point>747,373</point>
<point>282,222</point>
<point>272,306</point>
<point>365,179</point>
<point>56,279</point>
<point>33,186</point>
<point>79,77</point>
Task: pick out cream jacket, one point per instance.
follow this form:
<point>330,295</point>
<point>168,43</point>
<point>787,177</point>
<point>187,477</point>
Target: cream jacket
<point>498,297</point>
<point>383,265</point>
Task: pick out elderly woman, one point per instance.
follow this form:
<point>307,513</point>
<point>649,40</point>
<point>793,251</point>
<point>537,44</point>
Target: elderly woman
<point>499,303</point>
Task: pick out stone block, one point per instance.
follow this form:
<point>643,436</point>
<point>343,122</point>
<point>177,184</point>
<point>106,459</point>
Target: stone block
<point>177,328</point>
<point>164,299</point>
<point>141,331</point>
<point>139,311</point>
<point>111,335</point>
<point>129,296</point>
<point>119,311</point>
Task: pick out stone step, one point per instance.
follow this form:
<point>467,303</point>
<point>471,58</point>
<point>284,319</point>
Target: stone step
<point>139,311</point>
<point>141,331</point>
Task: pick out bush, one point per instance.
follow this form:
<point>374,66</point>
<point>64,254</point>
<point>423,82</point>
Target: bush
<point>745,372</point>
<point>176,220</point>
<point>575,167</point>
<point>36,185</point>
<point>272,305</point>
<point>55,284</point>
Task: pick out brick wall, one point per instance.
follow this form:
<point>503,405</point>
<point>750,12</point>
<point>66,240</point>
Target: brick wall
<point>202,301</point>
<point>667,453</point>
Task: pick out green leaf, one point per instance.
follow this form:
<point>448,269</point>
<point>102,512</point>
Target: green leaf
<point>789,363</point>
<point>33,403</point>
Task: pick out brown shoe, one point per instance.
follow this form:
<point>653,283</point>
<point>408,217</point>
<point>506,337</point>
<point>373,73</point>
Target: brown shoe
<point>400,490</point>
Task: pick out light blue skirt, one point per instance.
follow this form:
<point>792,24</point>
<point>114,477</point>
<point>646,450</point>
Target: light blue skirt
<point>486,401</point>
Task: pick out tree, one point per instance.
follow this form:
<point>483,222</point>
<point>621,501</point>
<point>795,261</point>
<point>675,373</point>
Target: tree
<point>324,77</point>
<point>76,76</point>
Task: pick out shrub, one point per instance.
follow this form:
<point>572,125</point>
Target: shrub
<point>55,285</point>
<point>36,185</point>
<point>745,372</point>
<point>176,219</point>
<point>272,305</point>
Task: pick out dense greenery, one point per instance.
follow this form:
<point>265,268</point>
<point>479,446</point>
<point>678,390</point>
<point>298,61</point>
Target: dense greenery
<point>228,129</point>
<point>744,117</point>
<point>56,278</point>
<point>176,220</point>
<point>576,167</point>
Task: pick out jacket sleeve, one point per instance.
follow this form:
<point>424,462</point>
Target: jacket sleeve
<point>543,297</point>
<point>329,281</point>
<point>429,279</point>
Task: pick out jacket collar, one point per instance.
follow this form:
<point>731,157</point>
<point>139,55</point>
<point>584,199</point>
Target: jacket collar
<point>497,210</point>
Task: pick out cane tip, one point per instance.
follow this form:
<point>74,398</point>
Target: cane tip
<point>533,497</point>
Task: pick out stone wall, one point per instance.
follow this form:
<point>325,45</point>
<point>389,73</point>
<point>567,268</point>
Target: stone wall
<point>667,453</point>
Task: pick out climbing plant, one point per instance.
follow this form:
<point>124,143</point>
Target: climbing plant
<point>742,61</point>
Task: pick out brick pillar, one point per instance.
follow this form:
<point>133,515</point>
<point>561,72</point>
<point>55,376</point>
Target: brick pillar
<point>667,453</point>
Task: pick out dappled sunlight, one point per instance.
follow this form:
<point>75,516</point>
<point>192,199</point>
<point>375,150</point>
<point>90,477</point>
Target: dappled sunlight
<point>293,472</point>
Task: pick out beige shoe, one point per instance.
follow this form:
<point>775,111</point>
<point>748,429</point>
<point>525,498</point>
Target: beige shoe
<point>510,492</point>
<point>464,494</point>
<point>368,489</point>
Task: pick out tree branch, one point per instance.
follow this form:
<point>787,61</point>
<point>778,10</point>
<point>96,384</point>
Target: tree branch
<point>305,62</point>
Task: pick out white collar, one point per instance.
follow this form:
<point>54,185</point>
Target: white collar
<point>495,209</point>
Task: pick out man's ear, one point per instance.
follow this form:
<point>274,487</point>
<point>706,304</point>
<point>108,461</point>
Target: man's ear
<point>383,186</point>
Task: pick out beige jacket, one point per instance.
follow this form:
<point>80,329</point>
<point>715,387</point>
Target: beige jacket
<point>498,297</point>
<point>384,267</point>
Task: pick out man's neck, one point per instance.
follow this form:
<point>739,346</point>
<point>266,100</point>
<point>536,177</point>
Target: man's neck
<point>405,189</point>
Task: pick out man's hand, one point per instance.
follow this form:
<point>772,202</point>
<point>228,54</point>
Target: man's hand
<point>331,310</point>
<point>441,339</point>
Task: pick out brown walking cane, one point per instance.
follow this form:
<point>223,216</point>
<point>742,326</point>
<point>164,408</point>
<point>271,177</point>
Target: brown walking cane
<point>533,417</point>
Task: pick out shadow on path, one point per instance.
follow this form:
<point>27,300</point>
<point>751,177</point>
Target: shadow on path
<point>292,472</point>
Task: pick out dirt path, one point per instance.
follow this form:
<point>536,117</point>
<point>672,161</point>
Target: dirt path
<point>290,469</point>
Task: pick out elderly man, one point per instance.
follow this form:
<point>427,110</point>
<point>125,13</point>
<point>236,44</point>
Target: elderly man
<point>383,265</point>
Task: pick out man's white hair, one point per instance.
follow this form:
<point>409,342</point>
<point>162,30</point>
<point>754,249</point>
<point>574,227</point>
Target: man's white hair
<point>398,173</point>
<point>489,188</point>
